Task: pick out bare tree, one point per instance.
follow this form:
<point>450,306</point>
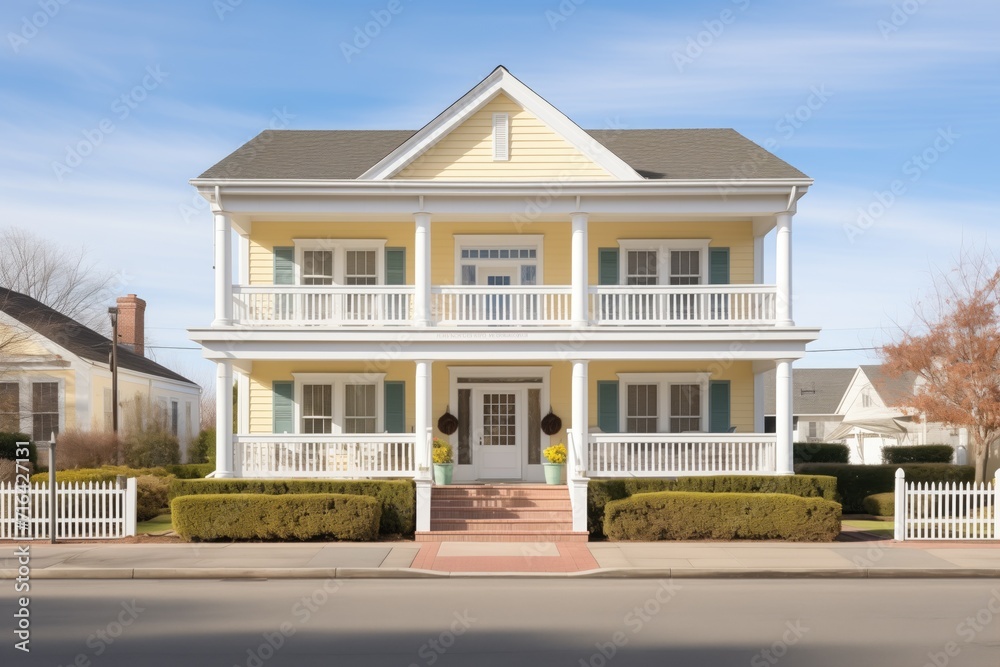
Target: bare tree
<point>956,355</point>
<point>63,279</point>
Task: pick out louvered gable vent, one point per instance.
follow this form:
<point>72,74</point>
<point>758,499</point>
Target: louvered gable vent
<point>501,137</point>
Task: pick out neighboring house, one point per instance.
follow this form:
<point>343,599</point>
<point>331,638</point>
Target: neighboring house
<point>492,267</point>
<point>817,393</point>
<point>872,420</point>
<point>55,373</point>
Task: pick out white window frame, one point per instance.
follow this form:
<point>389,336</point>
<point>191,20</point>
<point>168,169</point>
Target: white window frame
<point>663,247</point>
<point>463,241</point>
<point>27,400</point>
<point>339,381</point>
<point>339,248</point>
<point>664,381</point>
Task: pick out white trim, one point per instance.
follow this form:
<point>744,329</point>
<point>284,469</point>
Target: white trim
<point>338,381</point>
<point>499,81</point>
<point>663,381</point>
<point>497,240</point>
<point>339,248</point>
<point>663,247</point>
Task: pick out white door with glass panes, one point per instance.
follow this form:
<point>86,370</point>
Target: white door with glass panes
<point>499,268</point>
<point>498,430</point>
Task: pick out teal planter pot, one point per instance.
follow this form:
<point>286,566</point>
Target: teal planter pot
<point>554,472</point>
<point>443,473</point>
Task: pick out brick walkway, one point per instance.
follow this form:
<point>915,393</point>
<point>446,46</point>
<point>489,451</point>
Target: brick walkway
<point>504,557</point>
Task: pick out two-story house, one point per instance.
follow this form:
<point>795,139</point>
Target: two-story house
<point>499,265</point>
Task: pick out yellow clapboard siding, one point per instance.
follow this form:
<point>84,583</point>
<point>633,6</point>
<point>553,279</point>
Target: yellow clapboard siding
<point>536,151</point>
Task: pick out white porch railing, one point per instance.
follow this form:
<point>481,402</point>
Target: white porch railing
<point>682,454</point>
<point>946,511</point>
<point>505,306</point>
<point>343,456</point>
<point>84,511</point>
<point>312,304</point>
<point>694,304</point>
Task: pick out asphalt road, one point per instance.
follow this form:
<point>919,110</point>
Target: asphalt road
<point>508,622</point>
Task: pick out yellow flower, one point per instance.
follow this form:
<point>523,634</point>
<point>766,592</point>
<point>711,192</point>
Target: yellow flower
<point>441,452</point>
<point>555,453</point>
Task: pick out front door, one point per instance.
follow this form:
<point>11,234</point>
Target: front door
<point>497,431</point>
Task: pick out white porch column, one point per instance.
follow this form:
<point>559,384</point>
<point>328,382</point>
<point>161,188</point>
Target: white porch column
<point>783,269</point>
<point>422,269</point>
<point>224,419</point>
<point>243,259</point>
<point>758,401</point>
<point>422,420</point>
<point>242,401</point>
<point>223,270</point>
<point>578,304</point>
<point>783,416</point>
<point>576,472</point>
<point>758,260</point>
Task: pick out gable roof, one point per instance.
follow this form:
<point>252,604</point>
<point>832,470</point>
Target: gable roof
<point>75,337</point>
<point>891,389</point>
<point>816,391</point>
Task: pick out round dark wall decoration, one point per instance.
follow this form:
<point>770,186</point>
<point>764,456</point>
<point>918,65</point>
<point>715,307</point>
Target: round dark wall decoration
<point>448,423</point>
<point>551,424</point>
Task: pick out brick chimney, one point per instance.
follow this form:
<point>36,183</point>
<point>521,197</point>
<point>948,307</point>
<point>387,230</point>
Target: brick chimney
<point>132,323</point>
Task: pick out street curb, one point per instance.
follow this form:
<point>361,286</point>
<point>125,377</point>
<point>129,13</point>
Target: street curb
<point>413,573</point>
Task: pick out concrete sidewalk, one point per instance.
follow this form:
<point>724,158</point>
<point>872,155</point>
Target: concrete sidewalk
<point>464,559</point>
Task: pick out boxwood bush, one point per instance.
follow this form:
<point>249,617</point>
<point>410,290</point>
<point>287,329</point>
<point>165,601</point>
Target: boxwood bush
<point>601,491</point>
<point>918,454</point>
<point>150,496</point>
<point>880,504</point>
<point>820,452</point>
<point>294,516</point>
<point>857,482</point>
<point>190,470</point>
<point>682,515</point>
<point>102,474</point>
<point>397,496</point>
<point>8,447</point>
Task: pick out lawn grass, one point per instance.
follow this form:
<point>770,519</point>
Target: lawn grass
<point>157,524</point>
<point>881,528</point>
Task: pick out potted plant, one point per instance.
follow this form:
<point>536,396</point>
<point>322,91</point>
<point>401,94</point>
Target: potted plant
<point>443,466</point>
<point>556,466</point>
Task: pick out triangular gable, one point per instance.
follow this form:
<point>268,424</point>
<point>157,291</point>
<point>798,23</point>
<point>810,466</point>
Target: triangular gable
<point>499,82</point>
<point>843,407</point>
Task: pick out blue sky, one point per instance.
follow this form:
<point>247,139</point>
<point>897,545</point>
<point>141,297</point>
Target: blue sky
<point>863,96</point>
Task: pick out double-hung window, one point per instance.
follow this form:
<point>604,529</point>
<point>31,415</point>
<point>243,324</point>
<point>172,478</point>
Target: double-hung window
<point>44,410</point>
<point>10,407</point>
<point>664,402</point>
<point>339,403</point>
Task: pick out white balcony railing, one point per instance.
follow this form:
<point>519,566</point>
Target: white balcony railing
<point>681,454</point>
<point>343,456</point>
<point>311,304</point>
<point>693,304</point>
<point>503,306</point>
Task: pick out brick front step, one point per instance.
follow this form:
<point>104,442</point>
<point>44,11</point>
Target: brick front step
<point>496,513</point>
<point>507,536</point>
<point>500,525</point>
<point>554,504</point>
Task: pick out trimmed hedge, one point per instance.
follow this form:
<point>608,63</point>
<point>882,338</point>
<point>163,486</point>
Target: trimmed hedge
<point>820,452</point>
<point>397,496</point>
<point>918,454</point>
<point>857,482</point>
<point>682,515</point>
<point>150,496</point>
<point>8,447</point>
<point>190,470</point>
<point>102,474</point>
<point>248,516</point>
<point>880,504</point>
<point>602,491</point>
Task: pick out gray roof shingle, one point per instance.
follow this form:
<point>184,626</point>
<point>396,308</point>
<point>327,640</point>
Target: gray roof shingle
<point>816,391</point>
<point>654,154</point>
<point>78,339</point>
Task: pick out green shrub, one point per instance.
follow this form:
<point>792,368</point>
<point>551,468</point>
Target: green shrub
<point>151,448</point>
<point>880,504</point>
<point>246,516</point>
<point>602,491</point>
<point>820,452</point>
<point>918,454</point>
<point>8,447</point>
<point>857,482</point>
<point>190,470</point>
<point>397,496</point>
<point>151,496</point>
<point>202,449</point>
<point>683,515</point>
<point>103,474</point>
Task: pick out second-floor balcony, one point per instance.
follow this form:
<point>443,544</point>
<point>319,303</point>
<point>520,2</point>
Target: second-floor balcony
<point>545,306</point>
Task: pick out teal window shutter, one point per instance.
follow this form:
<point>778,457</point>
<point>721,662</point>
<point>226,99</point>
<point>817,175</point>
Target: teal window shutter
<point>395,266</point>
<point>718,266</point>
<point>282,407</point>
<point>718,406</point>
<point>284,265</point>
<point>607,261</point>
<point>395,407</point>
<point>607,406</point>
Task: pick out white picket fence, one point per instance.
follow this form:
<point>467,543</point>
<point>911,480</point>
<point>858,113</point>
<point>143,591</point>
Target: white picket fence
<point>946,510</point>
<point>84,511</point>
